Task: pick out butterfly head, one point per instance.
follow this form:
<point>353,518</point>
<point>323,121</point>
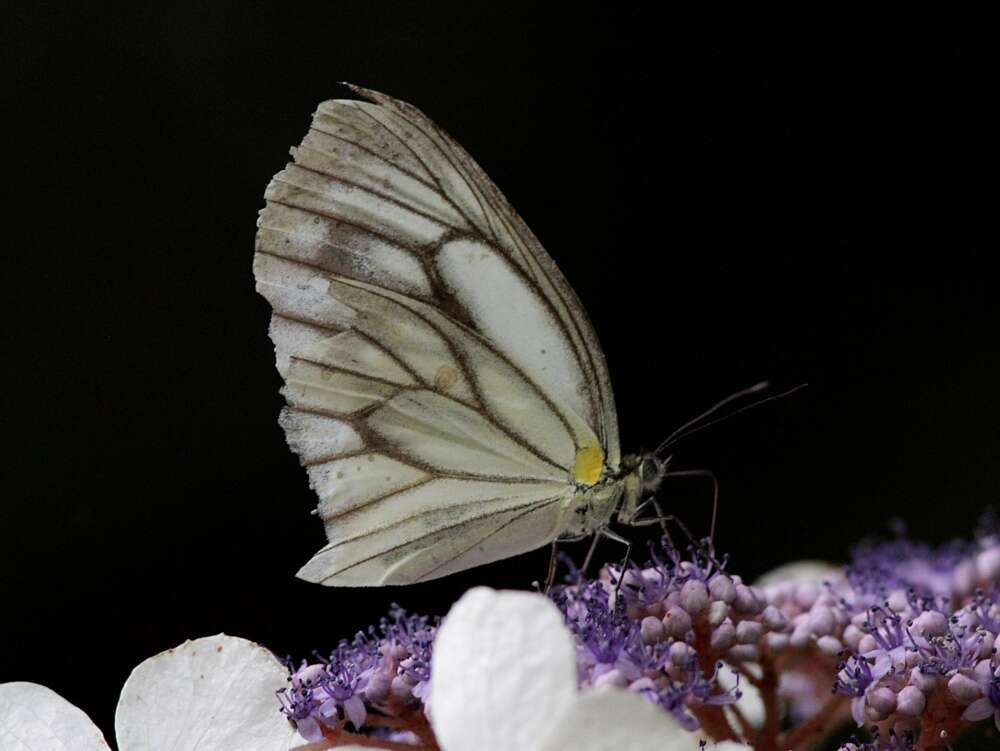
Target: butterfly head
<point>648,470</point>
<point>641,475</point>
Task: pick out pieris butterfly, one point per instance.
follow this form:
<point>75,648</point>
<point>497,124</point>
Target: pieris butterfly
<point>445,389</point>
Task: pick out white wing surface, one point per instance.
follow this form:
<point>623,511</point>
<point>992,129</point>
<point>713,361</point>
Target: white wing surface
<point>442,379</point>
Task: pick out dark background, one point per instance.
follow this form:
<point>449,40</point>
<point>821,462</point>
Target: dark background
<point>735,195</point>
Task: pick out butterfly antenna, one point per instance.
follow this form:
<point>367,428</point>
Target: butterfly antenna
<point>696,424</point>
<point>681,431</point>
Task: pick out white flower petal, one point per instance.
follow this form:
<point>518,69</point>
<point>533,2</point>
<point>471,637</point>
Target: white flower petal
<point>211,694</point>
<point>801,571</point>
<point>503,667</point>
<point>36,718</point>
<point>615,720</point>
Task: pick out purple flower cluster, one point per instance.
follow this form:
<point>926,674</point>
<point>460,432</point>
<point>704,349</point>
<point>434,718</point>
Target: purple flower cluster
<point>918,628</point>
<point>667,630</point>
<point>906,633</point>
<point>388,665</point>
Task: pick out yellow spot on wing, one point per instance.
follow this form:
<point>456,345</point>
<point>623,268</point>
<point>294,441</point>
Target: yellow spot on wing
<point>589,463</point>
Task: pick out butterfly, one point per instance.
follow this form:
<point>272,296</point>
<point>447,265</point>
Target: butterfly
<point>445,389</point>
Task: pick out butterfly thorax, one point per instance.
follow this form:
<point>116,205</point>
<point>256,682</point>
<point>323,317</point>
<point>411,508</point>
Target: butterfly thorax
<point>622,491</point>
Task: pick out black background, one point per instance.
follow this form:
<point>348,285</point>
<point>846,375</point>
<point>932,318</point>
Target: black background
<point>735,195</point>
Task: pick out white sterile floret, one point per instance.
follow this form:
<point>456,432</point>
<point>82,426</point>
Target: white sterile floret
<point>505,678</point>
<point>35,718</point>
<point>211,694</point>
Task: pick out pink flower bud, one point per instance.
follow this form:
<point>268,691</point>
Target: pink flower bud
<point>821,620</point>
<point>867,643</point>
<point>749,632</point>
<point>773,618</point>
<point>897,601</point>
<point>722,588</point>
<point>988,564</point>
<point>717,612</point>
<point>694,597</point>
<point>677,622</point>
<point>923,681</point>
<point>801,635</point>
<point>806,594</point>
<point>964,689</point>
<point>679,652</point>
<point>964,578</point>
<point>745,602</point>
<point>613,677</point>
<point>881,703</point>
<point>911,701</point>
<point>829,645</point>
<point>852,636</point>
<point>651,630</point>
<point>931,623</point>
<point>989,642</point>
<point>723,637</point>
<point>744,653</point>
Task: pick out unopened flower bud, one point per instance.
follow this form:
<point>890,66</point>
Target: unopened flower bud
<point>829,645</point>
<point>963,578</point>
<point>898,601</point>
<point>773,618</point>
<point>988,564</point>
<point>744,653</point>
<point>964,689</point>
<point>882,701</point>
<point>722,588</point>
<point>926,682</point>
<point>867,643</point>
<point>613,677</point>
<point>931,623</point>
<point>651,630</point>
<point>801,635</point>
<point>806,594</point>
<point>378,686</point>
<point>677,622</point>
<point>402,686</point>
<point>694,597</point>
<point>717,612</point>
<point>911,701</point>
<point>679,652</point>
<point>852,636</point>
<point>749,632</point>
<point>724,636</point>
<point>745,602</point>
<point>821,620</point>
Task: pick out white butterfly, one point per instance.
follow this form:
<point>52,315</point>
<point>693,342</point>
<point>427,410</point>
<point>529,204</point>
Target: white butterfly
<point>445,389</point>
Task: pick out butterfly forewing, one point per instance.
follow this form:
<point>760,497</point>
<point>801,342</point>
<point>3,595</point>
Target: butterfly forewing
<point>442,379</point>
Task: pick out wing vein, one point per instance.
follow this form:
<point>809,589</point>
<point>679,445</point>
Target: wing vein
<point>534,507</point>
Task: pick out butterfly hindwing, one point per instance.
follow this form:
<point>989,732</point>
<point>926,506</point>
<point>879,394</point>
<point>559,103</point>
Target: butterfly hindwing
<point>441,376</point>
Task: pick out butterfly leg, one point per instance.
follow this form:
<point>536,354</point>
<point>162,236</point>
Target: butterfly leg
<point>659,515</point>
<point>590,552</point>
<point>554,560</point>
<point>551,576</point>
<point>628,552</point>
<point>662,520</point>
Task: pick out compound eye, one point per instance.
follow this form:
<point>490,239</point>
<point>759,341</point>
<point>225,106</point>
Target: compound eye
<point>648,468</point>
